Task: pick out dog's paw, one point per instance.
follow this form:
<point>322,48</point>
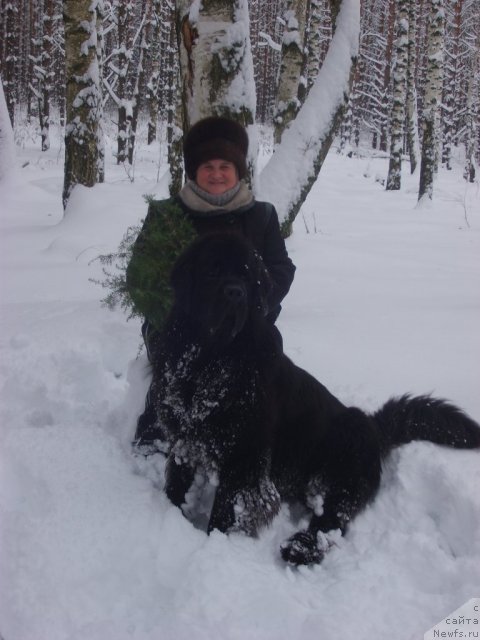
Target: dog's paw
<point>254,509</point>
<point>302,548</point>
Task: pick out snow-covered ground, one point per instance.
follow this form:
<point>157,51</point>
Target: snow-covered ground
<point>385,301</point>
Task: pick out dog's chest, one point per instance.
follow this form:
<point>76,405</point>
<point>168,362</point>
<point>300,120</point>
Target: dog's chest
<point>211,404</point>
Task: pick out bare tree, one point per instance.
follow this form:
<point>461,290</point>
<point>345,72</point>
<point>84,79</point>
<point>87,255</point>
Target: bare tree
<point>397,117</point>
<point>293,63</point>
<point>413,144</point>
<point>7,144</point>
<point>83,133</point>
<point>216,64</point>
<point>433,94</point>
<point>10,32</point>
<point>294,168</point>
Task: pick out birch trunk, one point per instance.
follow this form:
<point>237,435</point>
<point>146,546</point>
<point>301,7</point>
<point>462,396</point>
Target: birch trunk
<point>472,115</point>
<point>433,94</point>
<point>7,143</point>
<point>216,61</point>
<point>413,143</point>
<point>452,58</point>
<point>83,95</point>
<point>153,81</point>
<point>397,118</point>
<point>10,18</point>
<point>292,65</point>
<point>294,167</point>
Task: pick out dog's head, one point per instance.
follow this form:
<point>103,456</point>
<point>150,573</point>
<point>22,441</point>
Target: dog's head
<point>220,282</point>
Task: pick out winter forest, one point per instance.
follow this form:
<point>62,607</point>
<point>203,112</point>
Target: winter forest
<point>363,118</point>
<point>406,74</point>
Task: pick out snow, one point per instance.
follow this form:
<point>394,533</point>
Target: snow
<point>385,301</point>
<point>285,176</point>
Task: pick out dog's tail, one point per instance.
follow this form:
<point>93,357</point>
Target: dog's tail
<point>407,418</point>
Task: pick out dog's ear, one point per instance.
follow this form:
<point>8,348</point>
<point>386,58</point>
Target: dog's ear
<point>263,284</point>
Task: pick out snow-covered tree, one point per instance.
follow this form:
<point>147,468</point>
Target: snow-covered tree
<point>293,169</point>
<point>152,84</point>
<point>413,143</point>
<point>453,27</point>
<point>397,118</point>
<point>216,60</point>
<point>432,99</point>
<point>472,118</point>
<point>7,145</point>
<point>83,131</point>
<point>319,34</point>
<point>9,32</point>
<point>44,70</point>
<point>216,64</point>
<point>266,34</point>
<point>292,65</point>
<point>370,95</point>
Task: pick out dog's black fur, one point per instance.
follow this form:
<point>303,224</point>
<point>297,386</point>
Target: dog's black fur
<point>233,409</point>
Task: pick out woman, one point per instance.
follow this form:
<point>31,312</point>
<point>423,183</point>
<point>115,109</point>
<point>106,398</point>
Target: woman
<point>215,198</point>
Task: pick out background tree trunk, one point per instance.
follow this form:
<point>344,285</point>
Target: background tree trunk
<point>433,94</point>
<point>413,144</point>
<point>7,144</point>
<point>216,62</point>
<point>294,167</point>
<point>83,95</point>
<point>397,118</point>
<point>293,63</point>
<point>10,32</point>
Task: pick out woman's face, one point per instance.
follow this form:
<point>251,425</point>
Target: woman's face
<point>216,176</point>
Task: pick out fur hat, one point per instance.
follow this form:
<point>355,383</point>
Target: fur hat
<point>212,138</point>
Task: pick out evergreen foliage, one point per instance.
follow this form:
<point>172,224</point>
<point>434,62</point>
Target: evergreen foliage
<point>137,275</point>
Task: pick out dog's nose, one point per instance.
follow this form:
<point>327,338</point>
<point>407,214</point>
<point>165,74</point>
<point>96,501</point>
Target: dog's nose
<point>234,292</point>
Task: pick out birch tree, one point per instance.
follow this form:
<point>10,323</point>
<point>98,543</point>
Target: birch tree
<point>216,60</point>
<point>266,35</point>
<point>83,132</point>
<point>432,99</point>
<point>397,117</point>
<point>152,86</point>
<point>10,23</point>
<point>294,167</point>
<point>472,116</point>
<point>453,24</point>
<point>7,144</point>
<point>292,66</point>
<point>413,143</point>
<point>318,38</point>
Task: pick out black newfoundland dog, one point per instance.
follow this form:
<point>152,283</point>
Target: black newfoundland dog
<point>235,413</point>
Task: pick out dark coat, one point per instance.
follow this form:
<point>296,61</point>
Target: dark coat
<point>258,222</point>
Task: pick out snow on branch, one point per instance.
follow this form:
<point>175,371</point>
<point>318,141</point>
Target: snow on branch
<point>268,41</point>
<point>290,173</point>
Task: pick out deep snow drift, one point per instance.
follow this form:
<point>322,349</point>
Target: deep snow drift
<point>385,301</point>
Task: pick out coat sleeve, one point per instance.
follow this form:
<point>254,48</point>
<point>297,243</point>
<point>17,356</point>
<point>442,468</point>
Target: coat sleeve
<point>278,263</point>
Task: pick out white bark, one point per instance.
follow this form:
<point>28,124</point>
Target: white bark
<point>433,94</point>
<point>216,60</point>
<point>293,169</point>
<point>413,141</point>
<point>397,117</point>
<point>83,150</point>
<point>7,144</point>
<point>291,67</point>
